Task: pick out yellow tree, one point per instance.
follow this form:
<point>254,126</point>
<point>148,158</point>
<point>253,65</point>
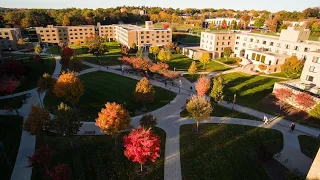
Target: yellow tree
<point>112,119</point>
<point>292,67</point>
<point>199,108</point>
<point>154,50</point>
<point>37,120</point>
<point>164,55</point>
<point>193,68</point>
<point>37,49</point>
<point>69,86</point>
<point>205,58</point>
<point>227,52</point>
<point>144,91</point>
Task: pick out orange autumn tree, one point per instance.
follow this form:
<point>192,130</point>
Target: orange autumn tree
<point>144,92</point>
<point>69,86</point>
<point>203,85</point>
<point>37,120</point>
<point>112,119</point>
<point>159,67</point>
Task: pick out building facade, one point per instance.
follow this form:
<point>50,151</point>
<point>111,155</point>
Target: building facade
<point>218,21</point>
<point>65,34</point>
<point>9,38</point>
<point>143,37</point>
<point>215,43</point>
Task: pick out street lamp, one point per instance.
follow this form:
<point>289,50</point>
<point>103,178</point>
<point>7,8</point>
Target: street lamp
<point>234,100</point>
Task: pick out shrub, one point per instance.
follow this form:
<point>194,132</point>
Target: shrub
<point>262,67</point>
<point>305,100</point>
<point>315,112</point>
<point>148,121</point>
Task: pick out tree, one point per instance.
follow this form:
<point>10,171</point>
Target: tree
<point>140,52</point>
<point>170,74</point>
<point>46,83</point>
<point>144,91</point>
<point>125,50</point>
<point>193,68</point>
<point>227,52</point>
<point>305,100</point>
<point>217,89</point>
<point>60,172</point>
<point>65,121</point>
<point>37,49</point>
<point>134,46</point>
<point>164,55</point>
<point>315,112</point>
<point>262,67</point>
<point>69,86</point>
<point>95,44</point>
<point>8,85</point>
<point>258,22</point>
<point>148,121</point>
<point>203,85</point>
<point>159,67</point>
<point>205,58</point>
<point>199,108</point>
<point>37,120</point>
<point>233,24</point>
<point>75,63</point>
<point>154,50</point>
<point>282,95</point>
<point>224,24</point>
<point>66,54</point>
<point>292,67</point>
<point>165,26</point>
<point>282,26</point>
<point>141,145</point>
<point>41,158</point>
<point>112,119</point>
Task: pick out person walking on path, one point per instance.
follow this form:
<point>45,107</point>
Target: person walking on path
<point>292,126</point>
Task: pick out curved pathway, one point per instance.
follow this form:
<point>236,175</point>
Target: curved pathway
<point>170,121</point>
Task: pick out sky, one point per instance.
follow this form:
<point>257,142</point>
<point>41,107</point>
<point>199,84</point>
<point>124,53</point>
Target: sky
<point>270,5</point>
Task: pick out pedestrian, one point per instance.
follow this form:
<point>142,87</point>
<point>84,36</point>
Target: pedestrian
<point>165,84</point>
<point>292,126</point>
<point>107,67</point>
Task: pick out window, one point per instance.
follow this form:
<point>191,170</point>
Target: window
<point>258,57</point>
<point>229,37</point>
<point>217,49</point>
<point>275,70</point>
<point>236,48</point>
<point>313,69</point>
<point>142,37</point>
<point>263,58</point>
<point>142,41</point>
<point>277,50</point>
<point>309,78</point>
<point>264,42</point>
<point>316,59</point>
<point>223,37</point>
<point>251,39</point>
<point>284,52</point>
<point>296,48</point>
<point>52,30</point>
<point>228,43</point>
<point>253,56</point>
<point>257,41</point>
<point>217,43</point>
<point>244,44</point>
<point>278,45</point>
<point>142,32</point>
<point>148,36</point>
<point>222,43</point>
<point>271,44</point>
<point>287,46</point>
<point>221,49</point>
<point>245,38</point>
<point>237,43</point>
<point>277,61</point>
<point>157,36</point>
<point>238,37</point>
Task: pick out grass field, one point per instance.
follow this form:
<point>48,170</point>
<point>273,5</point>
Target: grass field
<point>182,63</point>
<point>220,111</point>
<point>279,74</point>
<point>105,60</point>
<point>94,157</point>
<point>102,87</point>
<point>187,39</point>
<point>10,134</point>
<point>250,89</point>
<point>229,61</point>
<point>221,151</point>
<point>309,145</point>
<point>13,103</point>
<point>35,70</point>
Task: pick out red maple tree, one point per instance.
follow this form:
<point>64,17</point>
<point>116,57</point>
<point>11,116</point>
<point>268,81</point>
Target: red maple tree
<point>67,52</point>
<point>165,26</point>
<point>60,172</point>
<point>203,85</point>
<point>170,74</point>
<point>41,158</point>
<point>141,144</point>
<point>282,94</point>
<point>305,100</point>
<point>137,62</point>
<point>8,85</point>
<point>159,67</point>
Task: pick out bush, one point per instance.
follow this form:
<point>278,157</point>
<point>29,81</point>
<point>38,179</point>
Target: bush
<point>262,67</point>
<point>315,112</point>
<point>148,121</point>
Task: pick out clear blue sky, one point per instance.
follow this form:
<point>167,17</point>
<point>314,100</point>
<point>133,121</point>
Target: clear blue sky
<point>271,5</point>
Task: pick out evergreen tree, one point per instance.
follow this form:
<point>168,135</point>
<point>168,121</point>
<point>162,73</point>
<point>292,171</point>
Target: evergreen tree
<point>217,89</point>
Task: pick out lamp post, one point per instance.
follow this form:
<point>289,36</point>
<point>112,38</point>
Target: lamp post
<point>234,100</point>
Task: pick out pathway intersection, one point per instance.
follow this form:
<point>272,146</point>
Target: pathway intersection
<point>170,121</point>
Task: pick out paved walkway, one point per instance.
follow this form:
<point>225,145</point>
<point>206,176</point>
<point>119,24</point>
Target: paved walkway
<point>170,121</point>
<point>27,142</point>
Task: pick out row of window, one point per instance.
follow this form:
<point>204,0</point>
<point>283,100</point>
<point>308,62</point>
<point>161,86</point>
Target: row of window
<point>54,30</point>
<point>218,38</point>
<point>142,37</point>
<point>4,33</point>
<point>148,32</point>
<point>156,41</point>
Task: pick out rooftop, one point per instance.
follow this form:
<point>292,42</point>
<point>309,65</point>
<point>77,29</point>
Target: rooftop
<point>268,52</point>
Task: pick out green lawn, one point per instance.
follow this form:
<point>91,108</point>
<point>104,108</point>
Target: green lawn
<point>182,63</point>
<point>53,50</point>
<point>250,89</point>
<point>279,74</point>
<point>14,103</point>
<point>229,61</point>
<point>192,78</point>
<point>224,151</point>
<point>10,134</point>
<point>314,38</point>
<point>105,60</point>
<point>187,39</point>
<point>309,145</point>
<point>102,87</point>
<point>94,157</point>
<point>35,70</point>
<point>220,111</point>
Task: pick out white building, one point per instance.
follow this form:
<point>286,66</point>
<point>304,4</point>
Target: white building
<point>218,21</point>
